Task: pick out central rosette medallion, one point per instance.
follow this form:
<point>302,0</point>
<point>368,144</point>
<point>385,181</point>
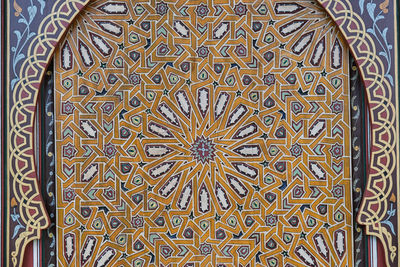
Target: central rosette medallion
<point>203,149</point>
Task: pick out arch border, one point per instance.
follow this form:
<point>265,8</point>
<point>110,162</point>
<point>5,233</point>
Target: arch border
<point>25,210</point>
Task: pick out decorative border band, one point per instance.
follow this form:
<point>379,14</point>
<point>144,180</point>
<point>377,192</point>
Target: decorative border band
<point>26,215</point>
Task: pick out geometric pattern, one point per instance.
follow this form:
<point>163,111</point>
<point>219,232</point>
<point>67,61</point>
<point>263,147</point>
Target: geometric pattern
<point>204,133</point>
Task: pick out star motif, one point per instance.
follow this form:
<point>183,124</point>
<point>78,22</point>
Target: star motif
<point>264,136</point>
<point>217,217</point>
<point>285,253</point>
<point>256,112</point>
<point>150,188</point>
<point>80,73</point>
<point>140,136</point>
<point>300,64</point>
<point>141,164</point>
<point>238,93</point>
<point>191,216</point>
<point>323,73</point>
<point>82,228</point>
<point>327,225</point>
<point>282,46</point>
<point>121,46</point>
<point>124,255</point>
<point>215,83</point>
<point>203,150</point>
<point>131,22</point>
<point>168,207</point>
<point>271,22</point>
<point>165,92</point>
<point>303,235</point>
<point>106,237</point>
<point>103,65</point>
<point>148,111</point>
<point>239,207</point>
<point>188,81</point>
<point>256,187</point>
<point>265,163</point>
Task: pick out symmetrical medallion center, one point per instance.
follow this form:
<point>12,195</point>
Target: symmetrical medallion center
<point>203,149</point>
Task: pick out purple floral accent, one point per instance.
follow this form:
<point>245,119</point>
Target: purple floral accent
<point>162,8</point>
<point>269,79</point>
<point>337,151</point>
<point>203,150</point>
<point>337,191</point>
<point>110,150</point>
<point>337,107</point>
<point>271,220</point>
<point>69,194</point>
<point>69,151</point>
<point>202,10</point>
<point>67,108</point>
<point>134,78</point>
<point>137,221</point>
<point>205,249</point>
<point>202,51</point>
<point>240,9</point>
<point>296,150</point>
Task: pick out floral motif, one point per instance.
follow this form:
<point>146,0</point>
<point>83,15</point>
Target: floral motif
<point>337,151</point>
<point>205,249</point>
<point>271,220</point>
<point>67,108</point>
<point>69,194</point>
<point>137,221</point>
<point>337,106</point>
<point>203,150</point>
<point>202,51</point>
<point>110,150</point>
<point>69,151</point>
<point>269,79</point>
<point>162,8</point>
<point>135,78</point>
<point>240,9</point>
<point>296,150</point>
<point>337,191</point>
<point>202,10</point>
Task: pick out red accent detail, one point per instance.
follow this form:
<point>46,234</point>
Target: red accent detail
<point>65,23</point>
<point>379,91</point>
<point>37,85</point>
<point>51,28</point>
<point>31,108</point>
<point>372,68</point>
<point>28,256</point>
<point>379,184</point>
<point>374,207</point>
<point>383,161</point>
<point>19,140</point>
<point>339,6</point>
<point>24,94</point>
<point>380,254</point>
<point>40,50</point>
<point>385,137</point>
<point>368,193</point>
<point>79,6</point>
<point>32,212</point>
<point>21,164</point>
<point>25,188</point>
